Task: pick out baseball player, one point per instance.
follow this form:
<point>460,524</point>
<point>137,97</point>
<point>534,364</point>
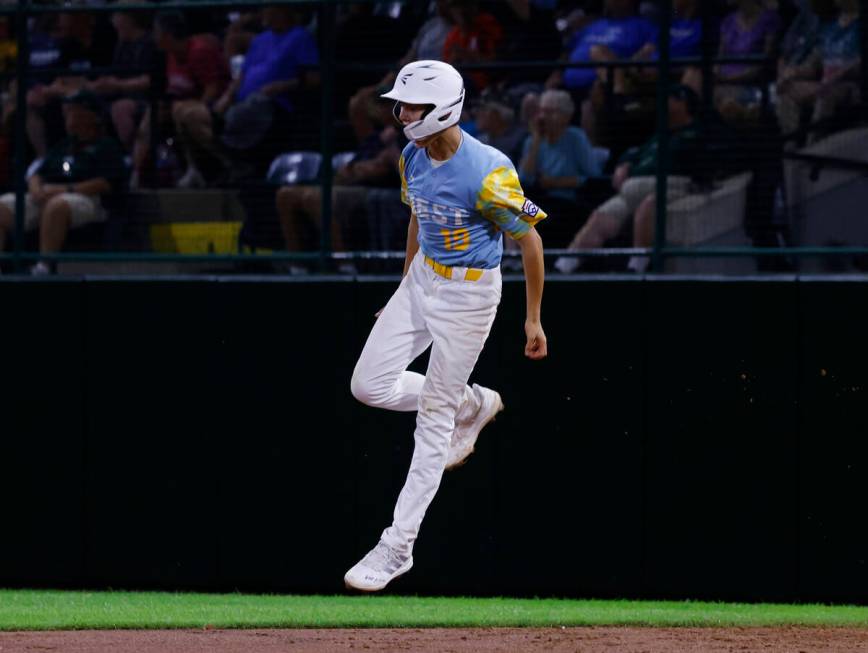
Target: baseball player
<point>462,195</point>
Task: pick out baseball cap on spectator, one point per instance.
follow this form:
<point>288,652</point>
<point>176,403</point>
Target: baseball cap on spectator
<point>86,99</point>
<point>687,95</point>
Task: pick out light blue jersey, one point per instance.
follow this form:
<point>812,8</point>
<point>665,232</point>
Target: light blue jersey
<point>463,204</point>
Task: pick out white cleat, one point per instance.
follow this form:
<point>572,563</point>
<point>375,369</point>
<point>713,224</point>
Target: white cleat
<point>377,569</point>
<point>465,435</point>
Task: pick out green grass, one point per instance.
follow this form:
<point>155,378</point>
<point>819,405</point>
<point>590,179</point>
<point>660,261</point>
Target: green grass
<point>43,610</point>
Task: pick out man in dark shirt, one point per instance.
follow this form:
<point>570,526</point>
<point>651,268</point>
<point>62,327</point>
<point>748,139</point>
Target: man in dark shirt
<point>127,90</point>
<point>78,44</point>
<point>635,177</point>
<point>68,187</point>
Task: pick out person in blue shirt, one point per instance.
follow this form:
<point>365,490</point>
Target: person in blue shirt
<point>463,196</point>
<point>685,33</point>
<point>685,42</point>
<point>257,106</point>
<point>556,160</point>
<point>619,34</point>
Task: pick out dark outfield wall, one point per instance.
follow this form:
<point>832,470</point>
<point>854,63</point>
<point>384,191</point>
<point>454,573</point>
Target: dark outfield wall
<point>685,439</point>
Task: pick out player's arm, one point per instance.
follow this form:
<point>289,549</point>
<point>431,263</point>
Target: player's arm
<point>534,274</point>
<point>412,241</point>
<point>502,201</point>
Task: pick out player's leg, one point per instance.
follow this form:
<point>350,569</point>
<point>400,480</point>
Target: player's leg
<point>398,337</point>
<point>448,370</point>
<point>459,336</point>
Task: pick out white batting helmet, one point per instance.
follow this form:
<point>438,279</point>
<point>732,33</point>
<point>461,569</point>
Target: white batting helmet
<point>433,83</point>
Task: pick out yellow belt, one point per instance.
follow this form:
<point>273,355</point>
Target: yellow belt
<point>470,274</point>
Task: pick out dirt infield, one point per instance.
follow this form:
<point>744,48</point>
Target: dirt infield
<point>442,640</point>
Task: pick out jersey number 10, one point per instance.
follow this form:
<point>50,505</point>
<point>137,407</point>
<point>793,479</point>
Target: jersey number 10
<point>456,240</point>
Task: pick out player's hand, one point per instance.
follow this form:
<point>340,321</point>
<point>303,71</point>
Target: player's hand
<point>379,313</point>
<point>536,347</point>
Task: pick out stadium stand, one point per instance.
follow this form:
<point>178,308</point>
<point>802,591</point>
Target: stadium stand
<point>204,101</point>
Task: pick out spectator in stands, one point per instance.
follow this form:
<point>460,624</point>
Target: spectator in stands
<point>69,186</point>
<point>752,29</point>
<point>628,115</point>
<point>474,39</point>
<point>556,160</point>
<point>428,44</point>
<point>242,29</point>
<point>374,165</point>
<point>127,90</point>
<point>257,107</point>
<point>619,34</point>
<point>635,177</point>
<point>685,36</point>
<point>800,39</point>
<point>828,76</point>
<point>495,118</point>
<point>196,76</point>
<point>78,46</point>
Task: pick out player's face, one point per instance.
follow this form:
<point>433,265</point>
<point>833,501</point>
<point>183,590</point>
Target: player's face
<point>410,113</point>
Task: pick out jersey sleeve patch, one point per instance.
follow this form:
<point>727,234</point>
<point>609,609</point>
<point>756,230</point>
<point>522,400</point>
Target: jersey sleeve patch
<point>502,201</point>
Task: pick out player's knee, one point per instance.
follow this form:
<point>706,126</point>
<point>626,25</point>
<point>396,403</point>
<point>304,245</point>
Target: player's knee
<point>364,390</point>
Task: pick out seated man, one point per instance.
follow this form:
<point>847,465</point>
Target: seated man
<point>628,115</point>
<point>196,76</point>
<point>272,73</point>
<point>77,45</point>
<point>752,29</point>
<point>829,76</point>
<point>620,34</point>
<point>127,90</point>
<point>375,165</point>
<point>635,178</point>
<point>556,160</point>
<point>685,41</point>
<point>68,188</point>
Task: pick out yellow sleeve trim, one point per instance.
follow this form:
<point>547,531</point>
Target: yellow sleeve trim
<point>405,197</point>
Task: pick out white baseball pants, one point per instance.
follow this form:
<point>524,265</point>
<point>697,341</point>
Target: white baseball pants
<point>456,316</point>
